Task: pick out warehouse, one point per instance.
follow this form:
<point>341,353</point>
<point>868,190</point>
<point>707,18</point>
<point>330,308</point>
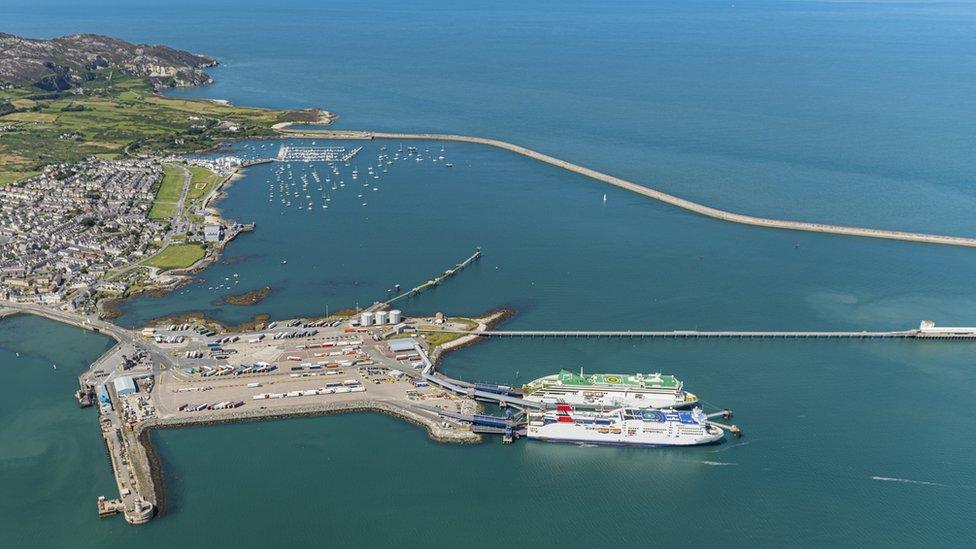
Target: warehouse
<point>401,345</point>
<point>124,385</point>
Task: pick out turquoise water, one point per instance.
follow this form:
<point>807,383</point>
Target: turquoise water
<point>53,463</point>
<point>854,113</point>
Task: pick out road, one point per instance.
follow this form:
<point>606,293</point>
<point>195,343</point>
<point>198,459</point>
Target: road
<point>128,341</point>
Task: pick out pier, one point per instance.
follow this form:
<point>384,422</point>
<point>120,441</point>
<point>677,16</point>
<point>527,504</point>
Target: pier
<point>316,154</point>
<point>649,192</point>
<point>923,333</point>
<point>458,267</point>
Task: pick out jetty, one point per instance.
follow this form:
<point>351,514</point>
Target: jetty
<point>927,330</point>
<point>315,154</point>
<point>448,273</point>
<point>649,192</point>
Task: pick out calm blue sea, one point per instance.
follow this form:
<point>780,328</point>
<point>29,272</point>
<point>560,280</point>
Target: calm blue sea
<point>846,112</point>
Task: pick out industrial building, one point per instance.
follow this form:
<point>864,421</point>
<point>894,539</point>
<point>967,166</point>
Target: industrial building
<point>401,345</point>
<point>124,385</point>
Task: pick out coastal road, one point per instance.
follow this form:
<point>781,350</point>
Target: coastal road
<point>128,340</point>
<point>648,191</point>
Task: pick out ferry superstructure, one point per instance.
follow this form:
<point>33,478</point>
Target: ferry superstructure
<point>623,426</point>
<point>610,391</point>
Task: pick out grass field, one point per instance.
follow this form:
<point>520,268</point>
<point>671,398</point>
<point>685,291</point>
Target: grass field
<point>435,338</point>
<point>172,185</point>
<point>114,116</point>
<point>161,211</point>
<point>202,182</point>
<point>168,193</point>
<point>177,256</point>
<point>30,117</point>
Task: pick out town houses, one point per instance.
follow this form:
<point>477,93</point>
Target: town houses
<point>62,231</point>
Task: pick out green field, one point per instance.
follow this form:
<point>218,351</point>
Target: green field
<point>177,256</point>
<point>162,211</point>
<point>168,193</point>
<point>202,182</point>
<point>435,338</point>
<point>172,185</point>
<point>115,116</point>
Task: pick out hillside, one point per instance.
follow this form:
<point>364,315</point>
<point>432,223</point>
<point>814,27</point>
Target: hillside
<point>68,61</point>
<point>102,99</point>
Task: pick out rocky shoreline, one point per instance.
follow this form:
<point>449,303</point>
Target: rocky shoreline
<point>490,320</point>
<point>248,298</point>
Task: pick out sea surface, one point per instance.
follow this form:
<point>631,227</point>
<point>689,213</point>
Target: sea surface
<point>845,112</point>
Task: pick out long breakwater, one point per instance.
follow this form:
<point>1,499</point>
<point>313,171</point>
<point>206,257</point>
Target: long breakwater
<point>649,192</point>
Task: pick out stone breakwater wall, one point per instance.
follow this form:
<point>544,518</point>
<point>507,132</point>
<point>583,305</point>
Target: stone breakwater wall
<point>149,467</point>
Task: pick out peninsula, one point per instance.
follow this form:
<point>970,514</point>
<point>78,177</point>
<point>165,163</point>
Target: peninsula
<point>78,96</point>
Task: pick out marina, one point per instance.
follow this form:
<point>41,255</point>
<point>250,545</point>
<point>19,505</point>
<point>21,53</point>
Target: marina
<point>291,153</point>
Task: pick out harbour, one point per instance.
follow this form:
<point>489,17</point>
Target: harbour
<point>811,112</point>
<point>148,387</point>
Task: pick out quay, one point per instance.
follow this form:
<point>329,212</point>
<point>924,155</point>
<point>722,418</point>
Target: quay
<point>648,191</point>
<point>256,162</point>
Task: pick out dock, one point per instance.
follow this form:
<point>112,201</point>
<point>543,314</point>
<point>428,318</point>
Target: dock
<point>315,154</point>
<point>649,192</point>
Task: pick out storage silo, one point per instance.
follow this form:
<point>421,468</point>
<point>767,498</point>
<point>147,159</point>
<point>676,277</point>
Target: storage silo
<point>380,317</point>
<point>395,316</point>
<point>366,319</point>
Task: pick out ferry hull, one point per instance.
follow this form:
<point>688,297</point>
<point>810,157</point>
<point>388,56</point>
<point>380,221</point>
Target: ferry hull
<point>623,426</point>
<point>624,443</point>
<point>713,435</point>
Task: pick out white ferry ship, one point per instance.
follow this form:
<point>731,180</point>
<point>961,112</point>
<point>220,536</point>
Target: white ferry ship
<point>608,391</point>
<point>624,426</point>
